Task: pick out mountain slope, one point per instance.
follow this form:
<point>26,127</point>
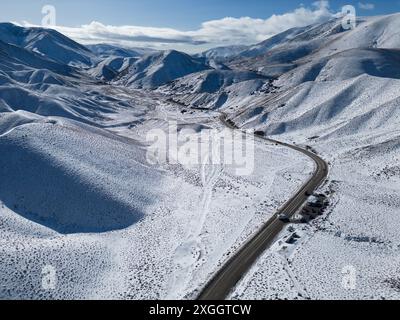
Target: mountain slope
<point>286,51</point>
<point>104,51</point>
<point>384,63</point>
<point>111,67</point>
<point>341,99</point>
<point>222,53</point>
<point>16,59</point>
<point>47,42</point>
<point>347,93</point>
<point>265,46</point>
<point>214,89</point>
<point>57,183</point>
<point>160,68</point>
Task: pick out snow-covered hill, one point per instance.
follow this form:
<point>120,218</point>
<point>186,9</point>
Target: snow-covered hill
<point>42,160</point>
<point>215,89</point>
<point>222,53</point>
<point>286,51</point>
<point>114,62</point>
<point>34,83</point>
<point>157,69</point>
<point>47,42</point>
<point>112,67</point>
<point>16,59</point>
<point>340,96</point>
<point>212,81</point>
<point>265,46</point>
<point>107,50</point>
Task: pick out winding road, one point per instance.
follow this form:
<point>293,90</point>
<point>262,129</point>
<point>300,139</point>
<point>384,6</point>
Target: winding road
<point>237,266</point>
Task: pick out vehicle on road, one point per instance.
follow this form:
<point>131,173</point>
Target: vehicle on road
<point>284,218</point>
<point>219,287</point>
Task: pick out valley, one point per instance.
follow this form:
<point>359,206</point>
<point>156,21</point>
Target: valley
<point>78,193</point>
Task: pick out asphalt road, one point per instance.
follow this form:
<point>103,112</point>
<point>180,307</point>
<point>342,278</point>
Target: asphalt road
<point>233,271</point>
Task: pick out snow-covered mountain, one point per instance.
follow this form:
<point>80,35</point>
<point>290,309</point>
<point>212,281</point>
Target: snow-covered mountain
<point>337,92</point>
<point>39,84</point>
<point>16,59</point>
<point>285,51</point>
<point>222,53</point>
<point>214,89</point>
<point>350,63</point>
<point>104,50</point>
<point>265,46</point>
<point>157,69</point>
<point>47,42</point>
<point>112,67</point>
<point>114,62</point>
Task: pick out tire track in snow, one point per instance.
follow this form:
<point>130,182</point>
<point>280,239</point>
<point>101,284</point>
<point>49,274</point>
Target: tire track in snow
<point>188,254</point>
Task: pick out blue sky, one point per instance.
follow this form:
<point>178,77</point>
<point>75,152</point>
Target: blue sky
<point>185,19</point>
<point>182,14</point>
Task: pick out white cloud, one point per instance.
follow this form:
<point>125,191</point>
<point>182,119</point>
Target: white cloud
<point>247,30</point>
<point>226,31</point>
<point>366,6</point>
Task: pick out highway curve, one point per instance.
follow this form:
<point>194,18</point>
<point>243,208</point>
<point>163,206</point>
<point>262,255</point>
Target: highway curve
<point>237,266</point>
